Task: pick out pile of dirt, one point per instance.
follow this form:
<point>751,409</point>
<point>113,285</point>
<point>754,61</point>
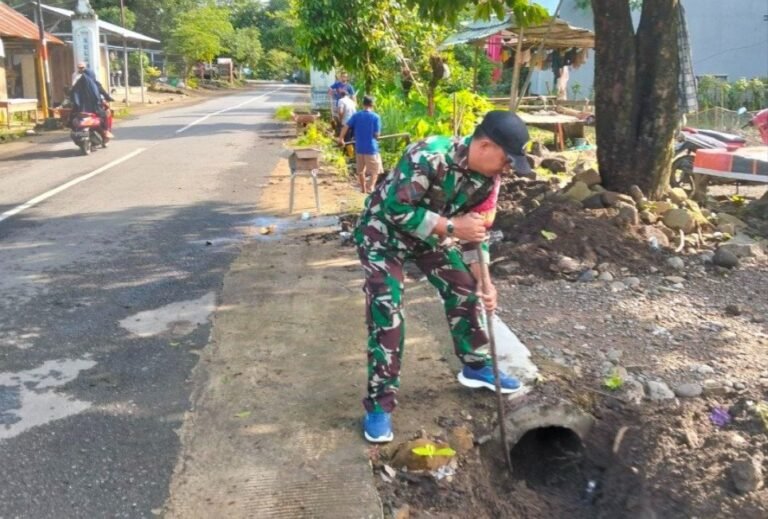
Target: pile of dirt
<point>548,235</point>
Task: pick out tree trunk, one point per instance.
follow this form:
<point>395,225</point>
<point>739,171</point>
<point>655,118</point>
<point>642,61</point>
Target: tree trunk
<point>636,94</point>
<point>436,63</point>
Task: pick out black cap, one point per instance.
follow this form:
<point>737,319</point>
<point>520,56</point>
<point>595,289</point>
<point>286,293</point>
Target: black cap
<point>506,129</point>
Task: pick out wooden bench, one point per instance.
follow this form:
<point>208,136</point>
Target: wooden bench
<point>12,106</point>
<point>563,126</point>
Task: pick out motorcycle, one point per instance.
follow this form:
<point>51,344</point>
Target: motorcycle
<point>87,130</point>
<point>690,140</point>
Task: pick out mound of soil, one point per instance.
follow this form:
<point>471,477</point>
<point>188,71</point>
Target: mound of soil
<point>540,227</point>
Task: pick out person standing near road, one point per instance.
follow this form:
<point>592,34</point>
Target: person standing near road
<point>417,213</point>
<point>333,92</point>
<point>346,106</point>
<point>366,127</point>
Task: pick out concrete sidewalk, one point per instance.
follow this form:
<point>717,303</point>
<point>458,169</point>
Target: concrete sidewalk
<point>275,425</point>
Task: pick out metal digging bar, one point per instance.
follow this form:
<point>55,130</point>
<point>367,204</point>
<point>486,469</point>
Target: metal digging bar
<point>484,283</point>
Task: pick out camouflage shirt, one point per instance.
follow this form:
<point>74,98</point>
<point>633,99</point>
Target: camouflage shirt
<point>431,180</point>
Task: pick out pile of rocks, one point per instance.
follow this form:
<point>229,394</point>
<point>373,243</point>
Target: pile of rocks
<point>676,222</point>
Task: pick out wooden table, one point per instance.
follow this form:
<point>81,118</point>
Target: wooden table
<point>12,106</point>
<point>563,126</point>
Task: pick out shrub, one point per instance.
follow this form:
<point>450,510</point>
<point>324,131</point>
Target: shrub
<point>284,113</point>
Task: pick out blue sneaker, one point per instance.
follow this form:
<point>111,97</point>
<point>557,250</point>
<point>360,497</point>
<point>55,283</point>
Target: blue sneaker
<point>377,427</point>
<point>483,377</point>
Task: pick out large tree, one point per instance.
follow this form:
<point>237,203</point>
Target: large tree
<point>343,33</point>
<point>636,84</point>
<point>201,34</point>
<point>636,93</point>
<point>154,18</point>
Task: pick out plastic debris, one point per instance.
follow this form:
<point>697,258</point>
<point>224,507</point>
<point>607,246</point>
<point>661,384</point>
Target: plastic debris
<point>720,416</point>
<point>495,236</point>
<point>345,236</point>
<point>305,215</point>
<point>443,472</point>
<point>590,493</point>
<point>388,474</point>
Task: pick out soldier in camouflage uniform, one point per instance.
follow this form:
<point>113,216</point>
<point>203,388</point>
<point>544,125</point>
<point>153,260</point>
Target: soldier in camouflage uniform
<point>418,213</point>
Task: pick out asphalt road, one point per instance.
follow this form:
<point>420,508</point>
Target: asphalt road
<point>110,266</point>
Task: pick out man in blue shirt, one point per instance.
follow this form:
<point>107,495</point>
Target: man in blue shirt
<point>366,125</point>
<point>343,83</point>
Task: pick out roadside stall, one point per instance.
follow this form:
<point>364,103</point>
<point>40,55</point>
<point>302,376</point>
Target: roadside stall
<point>21,61</point>
<point>552,46</point>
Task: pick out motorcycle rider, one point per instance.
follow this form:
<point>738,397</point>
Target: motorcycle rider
<point>88,95</point>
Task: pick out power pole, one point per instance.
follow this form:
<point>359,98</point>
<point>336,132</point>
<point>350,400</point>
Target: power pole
<point>125,51</point>
<point>45,83</point>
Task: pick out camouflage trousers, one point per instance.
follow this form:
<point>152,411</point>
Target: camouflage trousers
<point>384,292</point>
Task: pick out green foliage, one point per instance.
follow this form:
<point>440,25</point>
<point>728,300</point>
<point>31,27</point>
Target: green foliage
<point>277,64</point>
<point>315,134</point>
<point>526,12</point>
<point>155,18</point>
<point>150,72</point>
<point>284,113</point>
<point>614,382</point>
<point>192,82</point>
<point>200,34</point>
<point>333,157</point>
<point>749,93</point>
<point>112,15</point>
<point>466,56</point>
<point>346,33</point>
<point>738,200</point>
<point>401,114</point>
<point>244,46</point>
<point>274,20</point>
<point>548,235</point>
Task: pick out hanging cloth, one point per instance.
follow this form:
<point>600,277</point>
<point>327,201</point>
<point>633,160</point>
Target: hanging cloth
<point>493,48</point>
<point>580,59</point>
<point>557,63</point>
<point>687,102</point>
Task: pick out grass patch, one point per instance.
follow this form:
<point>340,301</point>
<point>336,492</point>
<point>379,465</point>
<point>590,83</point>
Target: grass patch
<point>121,113</point>
<point>284,113</point>
<point>7,135</point>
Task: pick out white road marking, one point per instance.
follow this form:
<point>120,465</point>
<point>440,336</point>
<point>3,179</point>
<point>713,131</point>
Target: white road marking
<point>248,101</point>
<point>48,194</point>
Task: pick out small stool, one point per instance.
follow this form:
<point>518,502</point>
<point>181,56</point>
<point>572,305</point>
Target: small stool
<point>304,161</point>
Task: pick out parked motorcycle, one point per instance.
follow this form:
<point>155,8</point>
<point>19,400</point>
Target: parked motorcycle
<point>88,132</point>
<point>689,141</point>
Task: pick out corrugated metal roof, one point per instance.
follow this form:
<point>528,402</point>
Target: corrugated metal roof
<point>476,31</point>
<point>14,25</point>
<point>106,26</point>
<point>559,35</point>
